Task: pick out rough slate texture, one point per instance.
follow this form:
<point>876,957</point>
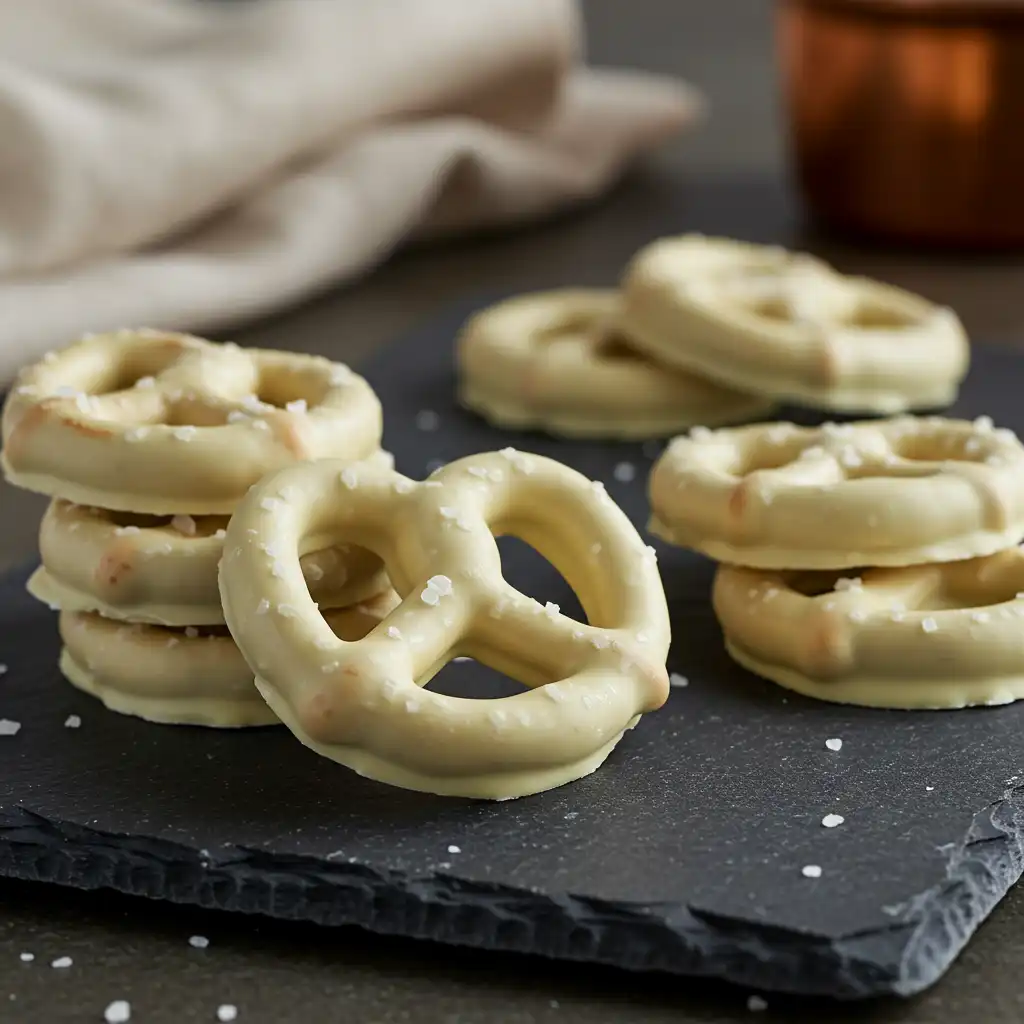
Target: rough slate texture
<point>683,853</point>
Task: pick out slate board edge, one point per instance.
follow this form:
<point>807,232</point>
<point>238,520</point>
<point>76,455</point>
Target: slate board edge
<point>921,943</point>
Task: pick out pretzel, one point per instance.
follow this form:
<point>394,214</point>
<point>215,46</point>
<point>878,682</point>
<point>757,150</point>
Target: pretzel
<point>894,492</point>
<point>785,325</point>
<point>553,360</point>
<point>363,704</point>
<point>146,421</point>
<point>163,570</point>
<point>195,676</point>
<point>929,636</point>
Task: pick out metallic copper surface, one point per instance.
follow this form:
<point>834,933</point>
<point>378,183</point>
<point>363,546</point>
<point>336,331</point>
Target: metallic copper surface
<point>907,116</point>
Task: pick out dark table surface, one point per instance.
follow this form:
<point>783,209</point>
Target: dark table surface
<point>729,177</point>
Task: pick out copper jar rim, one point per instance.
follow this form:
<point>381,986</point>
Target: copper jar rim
<point>972,12</point>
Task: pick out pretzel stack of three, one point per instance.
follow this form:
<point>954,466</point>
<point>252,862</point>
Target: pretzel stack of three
<point>146,441</point>
<point>170,610</point>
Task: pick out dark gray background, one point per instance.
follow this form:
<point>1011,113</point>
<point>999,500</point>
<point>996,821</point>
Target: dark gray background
<point>725,177</point>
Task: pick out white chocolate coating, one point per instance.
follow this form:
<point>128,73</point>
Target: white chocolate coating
<point>892,492</point>
<point>145,421</point>
<point>930,636</point>
<point>787,326</point>
<point>181,677</point>
<point>554,361</point>
<point>363,704</point>
<point>163,570</point>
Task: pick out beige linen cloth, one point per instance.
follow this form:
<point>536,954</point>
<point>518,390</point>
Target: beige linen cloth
<point>192,165</point>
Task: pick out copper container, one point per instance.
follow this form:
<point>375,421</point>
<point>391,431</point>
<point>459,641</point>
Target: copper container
<point>907,116</point>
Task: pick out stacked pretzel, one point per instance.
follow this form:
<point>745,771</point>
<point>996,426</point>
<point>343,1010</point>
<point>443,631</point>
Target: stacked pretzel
<point>872,563</point>
<point>146,442</point>
<point>710,332</point>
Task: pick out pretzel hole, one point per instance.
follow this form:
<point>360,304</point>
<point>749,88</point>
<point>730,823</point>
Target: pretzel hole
<point>91,371</point>
<point>526,569</point>
<point>763,455</point>
<point>935,448</point>
<point>776,309</point>
<point>614,348</point>
<point>870,316</point>
<point>278,385</point>
<point>474,680</point>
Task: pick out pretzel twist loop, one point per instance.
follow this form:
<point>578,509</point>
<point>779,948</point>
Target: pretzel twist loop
<point>363,704</point>
<point>896,492</point>
<point>786,325</point>
<point>146,421</point>
<point>930,636</point>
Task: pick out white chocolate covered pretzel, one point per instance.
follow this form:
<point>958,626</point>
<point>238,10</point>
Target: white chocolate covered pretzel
<point>892,492</point>
<point>929,636</point>
<point>163,570</point>
<point>194,676</point>
<point>363,704</point>
<point>146,421</point>
<point>555,361</point>
<point>787,326</point>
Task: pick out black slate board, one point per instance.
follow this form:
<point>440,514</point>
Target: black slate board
<point>683,853</point>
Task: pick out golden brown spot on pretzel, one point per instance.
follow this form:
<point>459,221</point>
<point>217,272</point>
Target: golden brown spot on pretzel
<point>827,364</point>
<point>287,428</point>
<point>30,420</point>
<point>86,429</point>
<point>116,563</point>
<point>829,650</point>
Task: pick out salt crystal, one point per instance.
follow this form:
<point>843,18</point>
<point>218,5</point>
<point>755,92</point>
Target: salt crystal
<point>27,958</point>
<point>676,680</point>
<point>394,632</point>
<point>191,632</point>
<point>403,486</point>
<point>118,1012</point>
<point>146,383</point>
<point>832,820</point>
<point>427,420</point>
<point>849,583</point>
<point>595,549</point>
<point>227,1011</point>
<point>834,744</point>
<point>929,625</point>
<point>298,406</point>
<point>184,433</point>
<point>755,1004</point>
<point>270,504</point>
<point>126,531</point>
<point>811,871</point>
<point>198,941</point>
<point>9,728</point>
<point>454,849</point>
<point>72,722</point>
<point>701,433</point>
<point>624,472</point>
<point>184,524</point>
<point>287,611</point>
<point>263,607</point>
<point>431,597</point>
<point>983,423</point>
<point>349,477</point>
<point>441,584</point>
<point>551,610</point>
<point>3,670</point>
<point>61,962</point>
